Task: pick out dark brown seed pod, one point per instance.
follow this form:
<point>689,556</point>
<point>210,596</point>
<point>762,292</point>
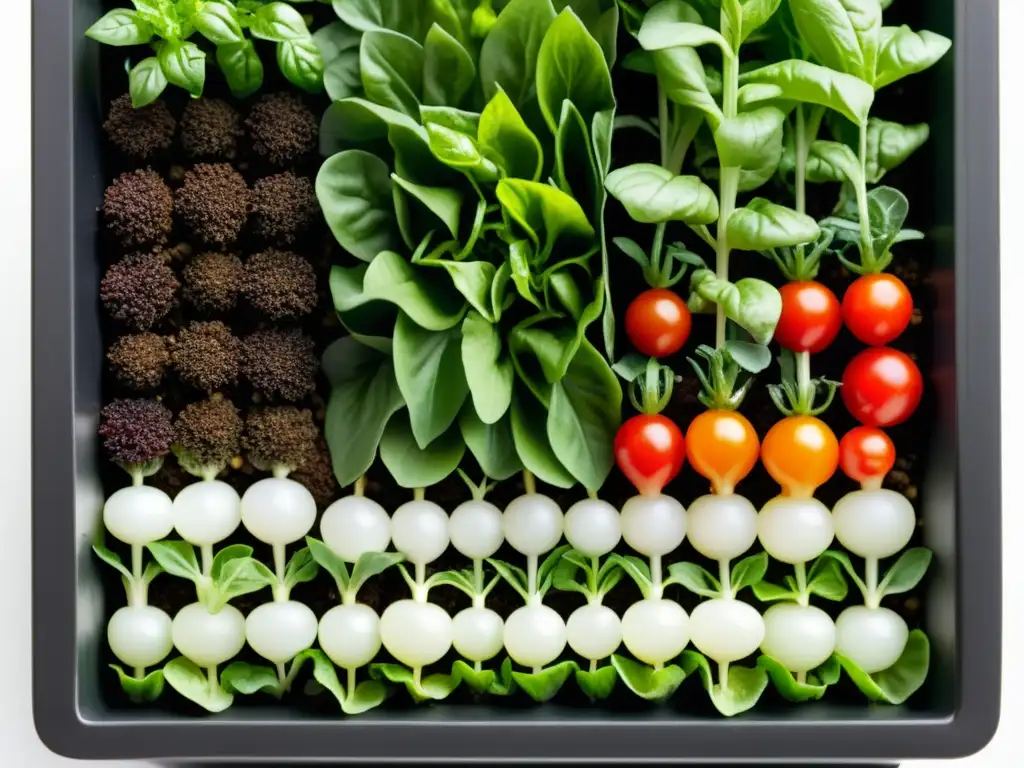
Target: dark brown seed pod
<point>138,209</point>
<point>284,206</point>
<point>136,431</point>
<point>280,437</point>
<point>207,356</point>
<point>210,129</point>
<point>280,363</point>
<point>139,290</point>
<point>139,360</point>
<point>139,133</point>
<point>280,284</point>
<point>213,281</point>
<point>283,128</point>
<point>213,203</point>
<point>209,431</point>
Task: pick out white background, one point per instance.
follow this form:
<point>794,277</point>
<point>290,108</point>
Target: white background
<point>17,736</point>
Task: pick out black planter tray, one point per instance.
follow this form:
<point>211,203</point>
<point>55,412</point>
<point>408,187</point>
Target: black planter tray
<point>954,715</point>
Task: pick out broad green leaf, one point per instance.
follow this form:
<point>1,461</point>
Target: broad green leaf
<point>787,685</point>
<point>906,573</point>
<point>832,161</point>
<point>752,304</point>
<point>239,576</point>
<point>430,375</point>
<point>891,144</point>
<point>339,48</point>
<point>391,67</point>
<point>146,82</point>
<point>178,558</point>
<point>369,694</point>
<point>448,69</point>
<point>826,580</point>
<point>599,684</point>
<point>354,190</point>
<point>552,342</point>
<point>443,202</point>
<point>121,27</point>
<point>369,320</point>
<point>422,294</point>
<point>184,65</point>
<point>410,19</point>
<point>571,65</point>
<point>601,18</point>
<point>898,683</point>
<point>681,74</point>
<point>473,279</point>
<point>733,696</point>
<point>415,467</point>
<point>278,22</point>
<point>190,681</point>
<point>247,679</point>
<point>508,57</point>
<point>545,215</point>
<point>225,555</point>
<point>887,213</point>
<point>505,137</point>
<point>218,23</point>
<point>762,225</point>
<point>529,432</point>
<point>814,84</point>
<point>366,696</point>
<point>488,368</point>
<point>757,13</point>
<point>542,686</point>
<point>752,358</point>
<point>585,412</point>
<point>242,68</point>
<point>492,445</point>
<point>456,119</point>
<point>751,140</point>
<point>648,683</point>
<point>577,170</point>
<point>460,151</point>
<point>652,195</point>
<point>906,52</point>
<point>141,690</point>
<point>301,63</point>
<point>666,25</point>
<point>364,395</point>
<point>842,34</point>
<point>431,688</point>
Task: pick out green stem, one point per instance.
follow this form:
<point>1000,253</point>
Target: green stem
<point>723,674</point>
<point>280,590</point>
<point>664,130</point>
<point>871,582</point>
<point>656,584</point>
<point>529,482</point>
<point>725,577</point>
<point>801,161</point>
<point>867,256</point>
<point>801,584</point>
<point>282,677</point>
<point>137,550</point>
<point>531,577</point>
<point>803,379</point>
<point>593,666</point>
<point>801,678</point>
<point>728,190</point>
<point>350,682</point>
<point>595,567</point>
<point>360,486</point>
<point>212,681</point>
<point>419,494</point>
<point>206,555</point>
<point>138,672</point>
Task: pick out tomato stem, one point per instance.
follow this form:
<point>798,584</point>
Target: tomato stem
<point>728,189</point>
<point>801,161</point>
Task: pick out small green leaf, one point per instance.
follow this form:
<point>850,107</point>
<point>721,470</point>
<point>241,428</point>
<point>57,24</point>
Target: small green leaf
<point>178,558</point>
<point>218,23</point>
<point>302,567</point>
<point>751,140</point>
<point>190,681</point>
<point>842,34</point>
<point>752,358</point>
<point>787,685</point>
<point>443,202</point>
<point>695,578</point>
<point>354,190</point>
<point>906,573</point>
<point>121,27</point>
<point>448,69</point>
<point>225,555</point>
<point>143,689</point>
<point>736,695</point>
<point>752,304</point>
<point>682,75</point>
<point>504,685</point>
<point>653,195</point>
<point>277,22</point>
<point>898,683</point>
<point>371,564</point>
<point>666,26</point>
<point>504,135</point>
<point>803,81</point>
<point>832,161</point>
<point>242,68</point>
<point>369,694</point>
<point>542,686</point>
<point>247,679</point>
<point>906,52</point>
<point>514,576</point>
<point>433,687</point>
<point>542,211</point>
<point>599,684</point>
<point>301,63</point>
<point>146,82</point>
<point>112,560</point>
<point>478,682</point>
<point>749,571</point>
<point>826,580</point>
<point>330,562</point>
<point>184,65</point>
<point>762,225</point>
<point>460,151</point>
<point>428,298</point>
<point>767,592</point>
<point>843,560</point>
<point>636,569</point>
<point>327,677</point>
<point>648,683</point>
<point>241,576</point>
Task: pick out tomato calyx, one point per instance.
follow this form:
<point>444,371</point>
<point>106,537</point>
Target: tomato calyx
<point>719,376</point>
<point>651,391</point>
<point>796,264</point>
<point>797,393</point>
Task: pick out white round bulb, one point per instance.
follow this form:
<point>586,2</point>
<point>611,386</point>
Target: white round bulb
<point>533,524</point>
<point>139,514</point>
<point>721,527</point>
<point>592,527</point>
<point>208,639</point>
<point>478,634</point>
<point>416,634</point>
<point>799,637</point>
<point>355,525</point>
<point>795,530</point>
<point>475,529</point>
<point>419,530</point>
<point>280,631</point>
<point>207,512</point>
<point>874,523</point>
<point>594,631</point>
<point>140,636</point>
<point>655,631</point>
<point>534,635</point>
<point>653,525</point>
<point>872,638</point>
<point>350,635</point>
<point>726,630</point>
<point>277,510</point>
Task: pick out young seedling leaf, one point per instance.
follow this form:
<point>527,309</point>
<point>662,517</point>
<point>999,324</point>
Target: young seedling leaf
<point>225,555</point>
<point>648,683</point>
<point>301,568</point>
<point>141,690</point>
<point>247,679</point>
<point>599,684</point>
<point>542,686</point>
<point>749,571</point>
<point>898,683</point>
<point>787,685</point>
<point>330,562</point>
<point>844,560</point>
<point>111,559</point>
<point>515,576</point>
<point>694,578</point>
<point>826,580</point>
<point>371,564</point>
<point>190,681</point>
<point>906,573</point>
<point>767,592</point>
<point>636,569</point>
<point>178,558</point>
<point>480,682</point>
<point>734,696</point>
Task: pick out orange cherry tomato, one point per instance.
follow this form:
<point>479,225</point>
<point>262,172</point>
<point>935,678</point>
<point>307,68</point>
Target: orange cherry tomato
<point>723,447</point>
<point>877,308</point>
<point>866,455</point>
<point>811,317</point>
<point>650,450</point>
<point>658,322</point>
<point>801,453</point>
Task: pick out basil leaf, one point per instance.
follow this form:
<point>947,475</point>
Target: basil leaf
<point>412,466</point>
<point>474,280</point>
<point>448,69</point>
<point>242,68</point>
<point>757,13</point>
<point>226,555</point>
<point>832,161</point>
<point>354,190</point>
<point>811,83</point>
<point>364,395</point>
<point>428,368</point>
<point>653,195</point>
<point>488,368</point>
<point>339,48</point>
<point>751,140</point>
<point>752,304</point>
<point>504,135</point>
<point>681,75</point>
<point>891,144</point>
<point>905,52</point>
<point>301,63</point>
<point>391,66</point>
<point>762,225</point>
<point>146,82</point>
<point>842,34</point>
<point>184,65</point>
<point>492,445</point>
<point>668,25</point>
<point>752,358</point>
<point>277,22</point>
<point>218,23</point>
<point>460,151</point>
<point>455,119</point>
<point>529,433</point>
<point>509,54</point>
<point>121,27</point>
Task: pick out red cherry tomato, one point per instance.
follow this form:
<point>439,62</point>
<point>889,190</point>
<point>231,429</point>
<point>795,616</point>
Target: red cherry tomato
<point>882,387</point>
<point>866,455</point>
<point>811,317</point>
<point>650,450</point>
<point>658,322</point>
<point>877,308</point>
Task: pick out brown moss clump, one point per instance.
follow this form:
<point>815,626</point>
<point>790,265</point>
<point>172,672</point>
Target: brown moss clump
<point>283,129</point>
<point>142,132</point>
<point>207,356</point>
<point>139,290</point>
<point>209,432</point>
<point>280,437</point>
<point>210,128</point>
<point>138,209</point>
<point>280,284</point>
<point>213,281</point>
<point>284,207</point>
<point>317,475</point>
<point>213,202</point>
<point>136,431</point>
<point>280,363</point>
<point>139,360</point>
